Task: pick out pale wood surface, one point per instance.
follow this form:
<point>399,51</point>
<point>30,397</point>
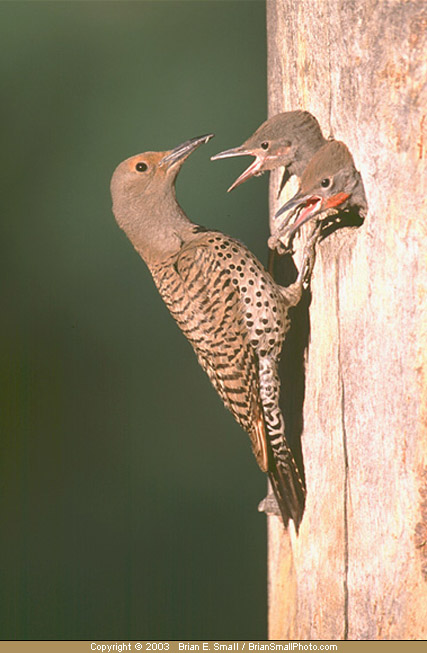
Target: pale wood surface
<point>358,568</point>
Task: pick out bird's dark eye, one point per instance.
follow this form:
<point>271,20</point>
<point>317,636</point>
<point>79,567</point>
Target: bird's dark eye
<point>325,182</point>
<point>141,166</point>
<point>265,145</point>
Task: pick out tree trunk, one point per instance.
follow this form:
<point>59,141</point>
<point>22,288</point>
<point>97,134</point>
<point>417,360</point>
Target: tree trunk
<point>358,568</point>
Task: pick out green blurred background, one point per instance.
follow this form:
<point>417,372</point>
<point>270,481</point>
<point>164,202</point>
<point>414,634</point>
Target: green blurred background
<point>128,494</point>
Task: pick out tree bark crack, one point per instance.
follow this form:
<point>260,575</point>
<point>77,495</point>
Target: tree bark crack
<point>345,460</point>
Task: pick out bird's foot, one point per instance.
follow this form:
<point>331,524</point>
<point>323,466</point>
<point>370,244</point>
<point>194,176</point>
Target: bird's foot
<point>280,243</point>
<point>283,232</point>
<point>269,505</point>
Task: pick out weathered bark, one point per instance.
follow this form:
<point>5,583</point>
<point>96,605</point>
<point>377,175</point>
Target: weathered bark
<point>358,568</point>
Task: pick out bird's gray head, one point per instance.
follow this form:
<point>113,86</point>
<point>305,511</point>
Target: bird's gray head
<point>149,175</point>
<point>143,194</point>
<point>329,181</point>
<point>288,139</point>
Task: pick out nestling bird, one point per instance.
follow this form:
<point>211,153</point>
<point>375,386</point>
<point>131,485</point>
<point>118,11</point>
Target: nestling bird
<point>288,139</point>
<point>330,181</point>
<point>223,300</point>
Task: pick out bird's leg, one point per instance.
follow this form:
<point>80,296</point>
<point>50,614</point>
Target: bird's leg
<point>309,257</point>
<point>292,293</point>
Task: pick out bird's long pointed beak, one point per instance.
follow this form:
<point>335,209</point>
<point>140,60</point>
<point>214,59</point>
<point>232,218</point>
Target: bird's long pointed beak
<point>180,153</point>
<point>253,169</point>
<point>291,204</point>
<point>235,151</point>
<point>310,205</point>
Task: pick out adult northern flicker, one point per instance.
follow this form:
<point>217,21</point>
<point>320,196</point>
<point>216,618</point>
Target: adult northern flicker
<point>330,181</point>
<point>225,303</point>
<point>288,139</point>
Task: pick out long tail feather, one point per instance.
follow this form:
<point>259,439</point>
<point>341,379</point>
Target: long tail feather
<point>289,491</point>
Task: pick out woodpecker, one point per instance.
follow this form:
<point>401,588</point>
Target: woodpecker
<point>226,304</point>
<point>288,139</point>
<point>330,181</point>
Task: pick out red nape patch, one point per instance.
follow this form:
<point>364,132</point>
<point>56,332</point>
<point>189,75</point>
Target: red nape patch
<point>336,200</point>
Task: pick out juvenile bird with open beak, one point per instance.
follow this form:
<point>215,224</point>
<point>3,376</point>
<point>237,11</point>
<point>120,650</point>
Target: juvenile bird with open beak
<point>330,181</point>
<point>288,139</point>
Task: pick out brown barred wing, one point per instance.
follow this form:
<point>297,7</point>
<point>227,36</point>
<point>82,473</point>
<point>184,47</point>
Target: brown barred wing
<point>213,321</point>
